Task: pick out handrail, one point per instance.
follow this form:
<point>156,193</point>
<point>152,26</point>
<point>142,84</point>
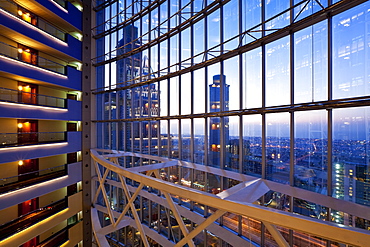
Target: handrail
<point>39,173</point>
<point>12,95</point>
<point>12,52</point>
<point>62,3</point>
<point>28,138</point>
<point>234,199</point>
<point>42,24</point>
<point>24,221</point>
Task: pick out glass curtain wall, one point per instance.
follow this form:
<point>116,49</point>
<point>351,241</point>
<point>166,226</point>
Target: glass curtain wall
<point>269,88</point>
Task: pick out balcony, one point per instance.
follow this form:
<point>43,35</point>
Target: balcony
<point>22,146</point>
<point>11,95</point>
<point>30,105</point>
<point>13,52</point>
<point>56,239</point>
<point>30,28</point>
<point>14,197</point>
<point>24,221</point>
<point>37,68</point>
<point>31,138</point>
<point>32,224</point>
<point>31,178</point>
<point>22,14</point>
<point>64,10</point>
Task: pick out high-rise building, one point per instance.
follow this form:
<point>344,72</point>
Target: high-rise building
<point>218,92</point>
<point>184,123</point>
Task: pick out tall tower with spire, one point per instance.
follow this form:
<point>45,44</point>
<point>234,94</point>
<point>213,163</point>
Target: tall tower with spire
<point>219,101</point>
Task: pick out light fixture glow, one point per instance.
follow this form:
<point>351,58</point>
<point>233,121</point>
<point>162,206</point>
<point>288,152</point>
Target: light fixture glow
<point>20,12</point>
<point>20,125</point>
<point>20,50</point>
<point>20,163</point>
<point>20,88</point>
<point>33,106</point>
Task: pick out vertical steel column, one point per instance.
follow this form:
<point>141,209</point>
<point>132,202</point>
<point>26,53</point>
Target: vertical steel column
<point>222,101</point>
<point>86,126</point>
<point>330,115</point>
<point>264,164</point>
<point>241,125</point>
<point>292,136</point>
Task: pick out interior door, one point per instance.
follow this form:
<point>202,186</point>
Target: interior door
<point>29,168</point>
<point>27,93</point>
<point>27,131</point>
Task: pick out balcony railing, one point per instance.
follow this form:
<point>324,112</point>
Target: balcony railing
<point>12,8</point>
<point>56,239</point>
<point>12,52</point>
<point>30,138</point>
<point>11,95</point>
<point>24,221</point>
<point>61,3</point>
<point>27,179</point>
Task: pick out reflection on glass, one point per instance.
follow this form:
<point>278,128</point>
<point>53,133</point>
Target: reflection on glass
<point>199,151</point>
<point>186,139</point>
<point>310,151</point>
<point>350,169</point>
<point>232,145</point>
<point>350,53</point>
<point>310,61</point>
<point>277,147</point>
<point>252,79</point>
<point>252,145</point>
<point>277,72</point>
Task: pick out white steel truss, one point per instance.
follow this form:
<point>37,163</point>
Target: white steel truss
<point>239,200</point>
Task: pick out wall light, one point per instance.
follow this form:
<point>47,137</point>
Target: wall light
<point>20,12</point>
<point>20,50</point>
<point>20,88</point>
<point>20,125</point>
<point>20,163</point>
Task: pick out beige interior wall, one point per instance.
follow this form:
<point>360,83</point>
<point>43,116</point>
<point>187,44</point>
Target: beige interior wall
<point>8,170</point>
<point>53,230</point>
<point>52,126</point>
<point>52,92</point>
<point>8,125</point>
<point>8,41</point>
<point>52,197</point>
<point>51,58</point>
<point>8,83</point>
<point>8,214</point>
<point>52,161</point>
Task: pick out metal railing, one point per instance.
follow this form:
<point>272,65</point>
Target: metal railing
<point>24,221</point>
<point>56,239</point>
<point>28,138</point>
<point>12,8</point>
<point>62,3</point>
<point>30,178</point>
<point>12,52</point>
<point>12,95</point>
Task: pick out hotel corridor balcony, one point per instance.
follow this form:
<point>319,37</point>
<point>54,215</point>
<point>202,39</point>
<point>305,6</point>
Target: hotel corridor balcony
<point>26,27</point>
<point>14,105</point>
<point>27,179</point>
<point>36,68</point>
<point>62,12</point>
<point>32,224</point>
<point>32,145</point>
<point>15,191</point>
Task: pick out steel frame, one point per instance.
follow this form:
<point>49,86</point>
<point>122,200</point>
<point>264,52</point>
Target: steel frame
<point>239,200</point>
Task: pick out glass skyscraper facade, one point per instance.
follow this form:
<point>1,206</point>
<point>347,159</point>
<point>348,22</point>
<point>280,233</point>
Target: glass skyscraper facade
<point>266,89</point>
